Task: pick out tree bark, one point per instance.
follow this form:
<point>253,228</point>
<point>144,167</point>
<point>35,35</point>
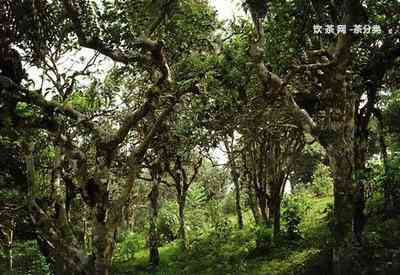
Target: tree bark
<point>235,175</point>
<point>337,136</point>
<point>55,261</point>
<point>275,210</point>
<point>181,208</point>
<point>10,246</point>
<point>235,179</point>
<point>153,234</point>
<point>341,161</point>
<point>360,149</point>
<point>251,200</point>
<point>103,241</point>
<point>387,185</point>
<point>64,255</point>
<point>262,205</point>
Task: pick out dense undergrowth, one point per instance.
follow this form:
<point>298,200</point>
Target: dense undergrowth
<point>227,250</point>
<point>224,249</point>
<point>219,247</point>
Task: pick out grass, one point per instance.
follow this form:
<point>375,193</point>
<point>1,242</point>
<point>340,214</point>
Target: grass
<point>293,257</point>
<point>232,253</point>
<point>283,262</point>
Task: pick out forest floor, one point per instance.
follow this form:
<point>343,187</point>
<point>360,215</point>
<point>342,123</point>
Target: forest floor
<point>233,252</point>
<point>222,249</point>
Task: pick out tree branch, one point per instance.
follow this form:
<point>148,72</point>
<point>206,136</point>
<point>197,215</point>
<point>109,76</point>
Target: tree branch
<point>196,168</point>
<point>155,51</point>
<point>49,107</point>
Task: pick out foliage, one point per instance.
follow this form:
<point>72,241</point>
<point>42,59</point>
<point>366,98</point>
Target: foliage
<point>128,244</point>
<point>306,164</point>
<point>329,216</point>
<point>167,223</point>
<point>168,217</point>
<point>215,216</point>
<point>294,208</point>
<point>322,182</point>
<point>27,259</point>
<point>229,203</point>
<point>227,250</point>
<point>374,204</point>
<point>378,174</point>
<point>391,114</point>
<point>263,236</point>
<point>180,83</point>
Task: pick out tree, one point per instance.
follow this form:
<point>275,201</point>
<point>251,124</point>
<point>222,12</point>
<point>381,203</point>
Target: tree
<point>369,78</point>
<point>337,136</point>
<point>153,200</point>
<point>181,182</point>
<point>229,144</point>
<point>89,151</point>
<point>389,141</point>
<point>270,153</point>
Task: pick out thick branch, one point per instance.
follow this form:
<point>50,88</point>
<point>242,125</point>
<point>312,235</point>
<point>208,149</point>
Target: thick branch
<point>275,84</point>
<point>49,107</point>
<point>130,122</point>
<point>155,54</point>
<point>196,168</point>
<point>142,148</point>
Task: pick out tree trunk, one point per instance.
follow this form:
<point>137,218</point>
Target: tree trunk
<point>103,242</point>
<point>59,267</point>
<point>262,205</point>
<point>10,258</point>
<point>235,179</point>
<point>341,160</point>
<point>55,239</point>
<point>277,222</point>
<point>55,261</point>
<point>153,234</point>
<point>251,200</point>
<point>360,154</point>
<point>68,259</point>
<point>387,185</point>
<point>10,246</point>
<point>337,135</point>
<point>275,210</point>
<point>181,209</point>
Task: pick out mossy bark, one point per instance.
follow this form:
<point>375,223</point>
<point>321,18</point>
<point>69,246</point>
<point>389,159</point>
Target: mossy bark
<point>181,212</point>
<point>154,255</point>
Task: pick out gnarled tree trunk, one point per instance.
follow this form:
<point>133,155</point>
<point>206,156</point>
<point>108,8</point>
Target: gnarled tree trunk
<point>341,158</point>
<point>153,234</point>
<point>103,243</point>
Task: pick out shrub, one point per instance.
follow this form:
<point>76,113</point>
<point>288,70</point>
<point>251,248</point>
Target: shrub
<point>27,259</point>
<point>375,204</point>
<point>229,206</point>
<point>129,243</point>
<point>165,227</point>
<point>322,182</point>
<point>263,238</point>
<point>294,208</point>
<point>293,219</point>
